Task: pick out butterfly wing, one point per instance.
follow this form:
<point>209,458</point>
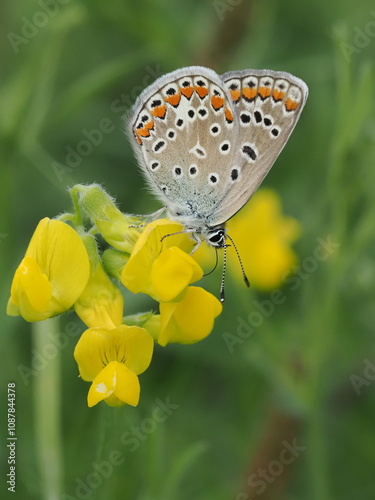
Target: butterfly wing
<point>267,106</point>
<point>180,129</point>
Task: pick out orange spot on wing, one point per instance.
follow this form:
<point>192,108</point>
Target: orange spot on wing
<point>249,93</point>
<point>217,102</point>
<point>278,95</point>
<point>264,92</point>
<point>201,91</point>
<point>174,99</point>
<point>291,105</point>
<point>236,94</point>
<point>159,111</point>
<point>142,132</point>
<point>228,115</point>
<point>145,130</point>
<point>187,91</point>
<point>139,140</point>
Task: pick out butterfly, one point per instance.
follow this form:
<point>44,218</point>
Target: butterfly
<point>205,142</point>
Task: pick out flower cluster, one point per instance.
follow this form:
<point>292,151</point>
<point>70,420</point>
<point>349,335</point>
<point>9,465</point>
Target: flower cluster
<point>63,269</point>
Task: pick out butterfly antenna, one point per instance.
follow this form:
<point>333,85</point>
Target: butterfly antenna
<point>245,278</point>
<point>222,294</point>
<point>215,266</point>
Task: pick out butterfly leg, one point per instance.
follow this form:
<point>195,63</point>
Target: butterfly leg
<point>198,242</point>
<point>152,217</point>
<point>186,231</point>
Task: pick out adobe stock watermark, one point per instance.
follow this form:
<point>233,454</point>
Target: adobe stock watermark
<point>39,360</point>
<point>223,6</point>
<point>31,26</point>
<point>361,38</point>
<point>132,439</point>
<point>94,137</point>
<point>264,476</point>
<point>366,378</point>
<point>265,308</point>
<point>84,487</point>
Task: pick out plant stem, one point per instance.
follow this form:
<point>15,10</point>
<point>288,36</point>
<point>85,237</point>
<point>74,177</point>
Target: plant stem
<point>47,409</point>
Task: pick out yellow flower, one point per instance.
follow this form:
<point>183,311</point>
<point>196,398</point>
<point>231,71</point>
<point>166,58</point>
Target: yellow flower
<point>263,236</point>
<point>111,360</point>
<point>52,275</point>
<point>101,303</point>
<point>189,320</point>
<point>159,267</point>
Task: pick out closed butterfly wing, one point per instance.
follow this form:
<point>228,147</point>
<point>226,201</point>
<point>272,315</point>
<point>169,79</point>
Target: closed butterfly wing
<point>267,105</point>
<point>181,129</point>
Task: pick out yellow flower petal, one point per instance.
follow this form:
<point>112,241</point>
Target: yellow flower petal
<point>101,303</point>
<point>130,345</point>
<point>115,384</point>
<point>172,272</point>
<point>92,351</point>
<point>62,256</point>
<point>31,289</point>
<point>136,275</point>
<point>12,309</point>
<point>189,320</point>
<point>137,347</point>
<point>53,273</point>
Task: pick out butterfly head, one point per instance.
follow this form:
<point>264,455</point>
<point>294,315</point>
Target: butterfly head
<point>216,237</point>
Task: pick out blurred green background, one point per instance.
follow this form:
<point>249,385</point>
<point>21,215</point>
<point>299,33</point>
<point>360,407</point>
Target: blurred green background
<point>289,412</point>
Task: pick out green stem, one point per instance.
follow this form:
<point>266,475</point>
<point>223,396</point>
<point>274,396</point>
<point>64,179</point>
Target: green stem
<point>47,410</point>
<point>317,450</point>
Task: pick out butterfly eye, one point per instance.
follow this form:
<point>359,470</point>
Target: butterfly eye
<point>217,238</point>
